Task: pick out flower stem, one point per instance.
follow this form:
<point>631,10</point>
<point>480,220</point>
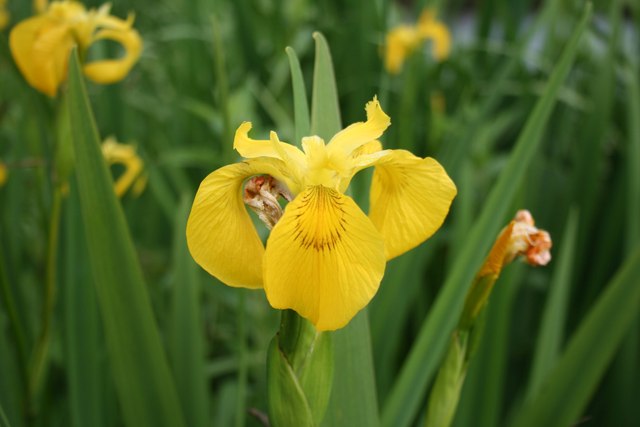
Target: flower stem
<point>242,363</point>
<point>41,351</point>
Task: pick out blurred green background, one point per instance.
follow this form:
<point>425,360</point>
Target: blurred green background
<point>209,65</point>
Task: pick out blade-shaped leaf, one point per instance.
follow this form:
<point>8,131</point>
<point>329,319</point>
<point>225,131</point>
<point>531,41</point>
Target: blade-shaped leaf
<point>300,105</point>
<point>139,365</point>
<point>408,393</point>
<point>574,377</point>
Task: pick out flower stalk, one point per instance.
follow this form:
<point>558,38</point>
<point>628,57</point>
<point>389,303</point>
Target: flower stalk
<point>519,238</point>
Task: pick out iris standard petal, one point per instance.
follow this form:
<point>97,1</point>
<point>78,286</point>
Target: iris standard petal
<point>324,258</point>
<point>113,70</point>
<point>358,134</point>
<point>400,42</point>
<point>41,47</point>
<point>220,234</point>
<point>431,29</point>
<point>410,198</point>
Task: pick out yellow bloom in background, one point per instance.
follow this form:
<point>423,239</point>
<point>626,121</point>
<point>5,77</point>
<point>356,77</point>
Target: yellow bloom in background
<point>3,174</point>
<point>40,6</point>
<point>403,40</point>
<point>325,257</point>
<point>4,15</point>
<point>125,155</point>
<point>41,44</point>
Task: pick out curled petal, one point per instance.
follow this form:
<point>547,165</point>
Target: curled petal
<point>324,258</point>
<point>274,148</point>
<point>220,234</point>
<point>41,47</point>
<point>125,155</point>
<point>358,134</point>
<point>410,198</point>
<point>113,70</point>
<point>431,29</point>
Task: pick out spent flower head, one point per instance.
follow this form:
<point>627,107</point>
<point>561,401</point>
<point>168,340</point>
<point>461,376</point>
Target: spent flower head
<point>41,44</point>
<point>324,257</point>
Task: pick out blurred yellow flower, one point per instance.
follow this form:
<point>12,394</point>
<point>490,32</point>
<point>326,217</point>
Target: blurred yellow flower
<point>325,257</point>
<point>3,171</point>
<point>4,15</point>
<point>40,6</point>
<point>41,44</point>
<point>125,155</point>
<point>402,40</point>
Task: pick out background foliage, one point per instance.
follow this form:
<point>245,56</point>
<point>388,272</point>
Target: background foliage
<point>206,67</point>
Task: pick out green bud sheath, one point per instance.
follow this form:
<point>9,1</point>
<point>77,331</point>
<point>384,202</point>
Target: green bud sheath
<point>299,373</point>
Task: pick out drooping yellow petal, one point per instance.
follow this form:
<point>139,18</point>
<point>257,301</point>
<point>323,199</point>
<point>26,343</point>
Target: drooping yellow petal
<point>400,42</point>
<point>324,258</point>
<point>220,234</point>
<point>431,29</point>
<point>358,134</point>
<point>410,198</point>
<point>113,70</point>
<point>41,47</point>
<point>274,148</point>
<point>125,155</point>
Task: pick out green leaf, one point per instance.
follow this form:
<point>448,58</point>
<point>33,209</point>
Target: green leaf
<point>407,394</point>
<point>300,105</point>
<point>353,397</point>
<point>571,382</point>
<point>139,365</point>
<point>187,334</point>
<point>3,419</point>
<point>325,110</point>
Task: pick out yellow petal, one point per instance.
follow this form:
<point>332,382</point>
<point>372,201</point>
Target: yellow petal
<point>40,47</point>
<point>400,42</point>
<point>410,198</point>
<point>324,258</point>
<point>125,155</point>
<point>113,70</point>
<point>220,234</point>
<point>273,148</point>
<point>358,134</point>
<point>431,29</point>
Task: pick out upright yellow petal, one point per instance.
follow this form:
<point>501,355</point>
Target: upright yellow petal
<point>41,47</point>
<point>220,234</point>
<point>410,198</point>
<point>324,258</point>
<point>358,134</point>
<point>113,70</point>
<point>431,29</point>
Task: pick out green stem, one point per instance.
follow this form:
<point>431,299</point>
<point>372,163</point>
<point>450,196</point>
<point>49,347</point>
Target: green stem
<point>242,363</point>
<point>16,330</point>
<point>42,346</point>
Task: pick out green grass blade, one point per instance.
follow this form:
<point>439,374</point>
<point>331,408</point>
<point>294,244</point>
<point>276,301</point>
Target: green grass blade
<point>550,338</point>
<point>353,397</point>
<point>300,104</point>
<point>573,379</point>
<point>140,370</point>
<point>407,394</point>
<point>187,343</point>
<point>4,422</point>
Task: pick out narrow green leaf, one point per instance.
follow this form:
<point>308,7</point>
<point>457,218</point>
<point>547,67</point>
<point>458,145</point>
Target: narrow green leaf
<point>187,334</point>
<point>325,110</point>
<point>407,394</point>
<point>571,382</point>
<point>4,422</point>
<point>83,333</point>
<point>550,337</point>
<point>140,370</point>
<point>300,105</point>
<point>353,396</point>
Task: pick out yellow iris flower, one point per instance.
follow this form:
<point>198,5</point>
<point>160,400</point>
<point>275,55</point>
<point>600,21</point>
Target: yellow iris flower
<point>402,40</point>
<point>324,258</point>
<point>41,44</point>
<point>125,155</point>
<point>4,15</point>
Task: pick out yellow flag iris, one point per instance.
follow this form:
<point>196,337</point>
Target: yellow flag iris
<point>41,44</point>
<point>125,155</point>
<point>402,40</point>
<point>4,15</point>
<point>325,257</point>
